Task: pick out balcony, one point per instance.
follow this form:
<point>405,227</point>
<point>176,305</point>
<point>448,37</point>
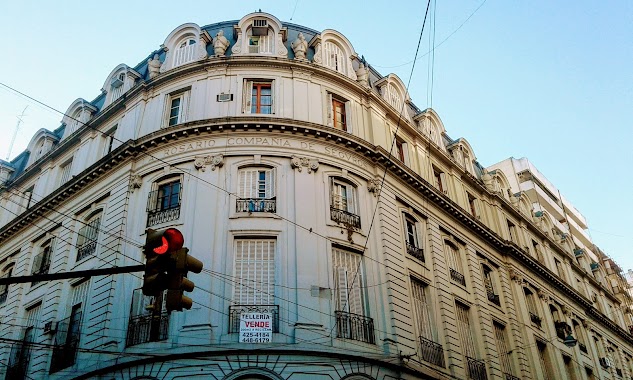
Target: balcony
<point>494,298</point>
<point>458,277</point>
<point>256,205</point>
<point>535,319</point>
<point>147,328</point>
<point>431,352</point>
<point>509,376</point>
<point>86,249</point>
<point>354,327</point>
<point>236,311</point>
<point>562,329</point>
<point>345,218</point>
<point>19,361</point>
<point>160,209</point>
<point>476,369</point>
<point>583,347</point>
<point>66,343</point>
<point>416,252</point>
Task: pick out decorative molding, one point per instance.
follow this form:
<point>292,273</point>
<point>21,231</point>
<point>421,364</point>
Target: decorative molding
<point>201,162</point>
<point>373,186</point>
<point>542,294</point>
<point>298,163</point>
<point>516,276</point>
<point>301,74</point>
<point>135,182</point>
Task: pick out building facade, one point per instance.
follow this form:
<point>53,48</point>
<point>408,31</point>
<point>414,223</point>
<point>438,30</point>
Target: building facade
<point>316,193</point>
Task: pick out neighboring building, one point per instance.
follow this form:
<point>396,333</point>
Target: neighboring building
<point>378,255</point>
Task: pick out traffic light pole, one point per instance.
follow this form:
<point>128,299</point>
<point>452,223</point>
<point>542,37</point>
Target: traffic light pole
<point>74,274</point>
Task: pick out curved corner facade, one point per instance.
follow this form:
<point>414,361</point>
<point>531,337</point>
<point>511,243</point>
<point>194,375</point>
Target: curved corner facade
<point>318,197</point>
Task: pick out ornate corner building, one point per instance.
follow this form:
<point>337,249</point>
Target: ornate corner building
<point>316,193</point>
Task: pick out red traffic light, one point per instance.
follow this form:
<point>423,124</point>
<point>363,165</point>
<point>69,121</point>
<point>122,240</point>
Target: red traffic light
<point>172,240</point>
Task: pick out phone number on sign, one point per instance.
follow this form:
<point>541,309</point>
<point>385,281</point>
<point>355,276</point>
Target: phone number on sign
<point>255,340</point>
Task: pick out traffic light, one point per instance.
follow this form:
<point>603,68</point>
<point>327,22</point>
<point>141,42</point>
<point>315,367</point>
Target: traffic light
<point>178,281</point>
<point>166,267</point>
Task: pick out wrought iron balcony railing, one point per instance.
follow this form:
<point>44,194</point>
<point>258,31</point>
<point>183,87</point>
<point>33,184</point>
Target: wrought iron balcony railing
<point>3,294</point>
<point>416,252</point>
<point>494,298</point>
<point>87,249</point>
<point>256,205</point>
<point>355,327</point>
<point>236,310</point>
<point>147,328</point>
<point>431,352</point>
<point>66,343</point>
<point>19,361</point>
<point>476,369</point>
<point>458,277</point>
<point>348,219</point>
<point>509,376</point>
<point>163,216</point>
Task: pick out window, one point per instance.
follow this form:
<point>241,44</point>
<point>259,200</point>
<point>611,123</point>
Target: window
<point>537,252</point>
<point>260,39</point>
<point>569,368</point>
<point>560,270</point>
<point>476,368</point>
<point>149,319</point>
<point>351,320</point>
<point>512,232</point>
<point>472,205</point>
<point>343,205</point>
<point>562,328</point>
<point>334,57</point>
<point>338,113</point>
<point>255,267</point>
<point>27,195</point>
<point>256,190</point>
<point>4,289</point>
<point>489,283</point>
<point>176,108</point>
<point>69,331</point>
<point>88,236</point>
<point>414,247</point>
<point>440,180</point>
<point>401,150</point>
<point>393,97</point>
<point>185,52</point>
<point>502,351</point>
<point>530,301</point>
<point>579,334</point>
<point>21,351</point>
<point>109,139</point>
<point>544,360</point>
<point>42,262</point>
<point>65,170</point>
<point>454,263</point>
<point>116,89</point>
<point>430,351</point>
<point>258,97</point>
<point>163,204</point>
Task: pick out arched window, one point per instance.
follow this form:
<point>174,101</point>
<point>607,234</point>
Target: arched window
<point>394,97</point>
<point>185,52</point>
<point>116,87</point>
<point>531,303</point>
<point>334,57</point>
<point>261,38</point>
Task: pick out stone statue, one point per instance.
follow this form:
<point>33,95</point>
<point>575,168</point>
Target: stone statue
<point>220,44</point>
<point>153,66</point>
<point>300,47</point>
<point>362,75</point>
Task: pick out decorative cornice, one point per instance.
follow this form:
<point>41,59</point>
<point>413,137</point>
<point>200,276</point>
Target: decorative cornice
<point>298,163</point>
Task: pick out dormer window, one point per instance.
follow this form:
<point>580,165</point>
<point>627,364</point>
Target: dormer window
<point>334,57</point>
<point>260,27</point>
<point>260,44</point>
<point>185,52</point>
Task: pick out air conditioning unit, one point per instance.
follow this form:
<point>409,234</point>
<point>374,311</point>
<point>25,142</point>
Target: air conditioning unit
<point>225,97</point>
<point>116,83</point>
<point>50,327</point>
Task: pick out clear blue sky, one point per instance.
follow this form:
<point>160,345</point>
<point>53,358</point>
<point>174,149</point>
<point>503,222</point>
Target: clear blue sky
<point>547,80</point>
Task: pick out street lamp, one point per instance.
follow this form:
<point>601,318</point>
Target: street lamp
<point>570,341</point>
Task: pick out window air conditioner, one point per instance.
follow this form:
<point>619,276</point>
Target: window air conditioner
<point>260,27</point>
<point>116,83</point>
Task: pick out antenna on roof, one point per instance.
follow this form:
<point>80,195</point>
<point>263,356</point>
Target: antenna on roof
<point>15,133</point>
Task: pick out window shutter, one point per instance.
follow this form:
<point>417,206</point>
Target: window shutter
<point>351,199</point>
<point>270,186</point>
<point>272,97</point>
<point>330,111</point>
<point>356,295</point>
<point>443,182</point>
<point>341,288</point>
<point>348,116</point>
<point>477,208</point>
<point>255,269</point>
<point>248,96</point>
<point>80,292</point>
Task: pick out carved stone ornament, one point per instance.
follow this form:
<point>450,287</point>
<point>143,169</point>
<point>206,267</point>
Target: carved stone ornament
<point>220,44</point>
<point>488,182</point>
<point>299,163</point>
<point>585,323</point>
<point>153,66</point>
<point>373,186</point>
<point>516,276</point>
<point>300,47</point>
<point>542,294</point>
<point>201,162</point>
<point>202,48</point>
<point>318,56</point>
<point>564,309</point>
<point>362,75</point>
<point>135,182</point>
<point>281,48</point>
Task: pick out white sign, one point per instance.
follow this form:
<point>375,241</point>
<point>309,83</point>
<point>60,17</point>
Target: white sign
<point>256,328</point>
